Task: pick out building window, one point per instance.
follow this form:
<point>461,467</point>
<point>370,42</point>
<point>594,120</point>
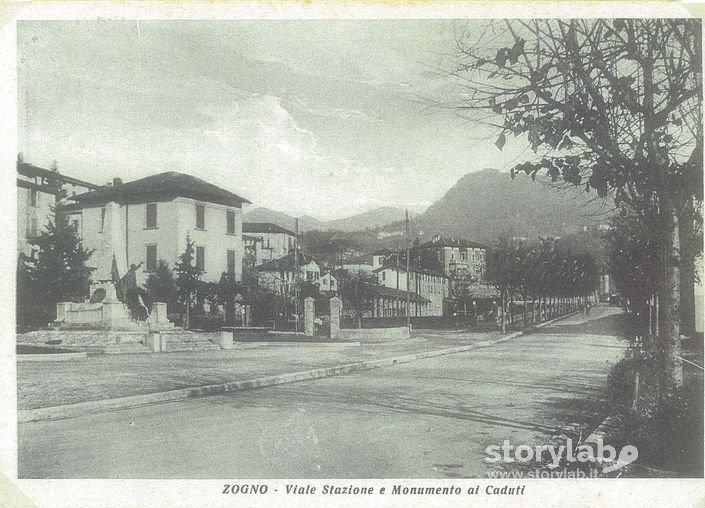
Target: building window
<point>33,227</point>
<point>200,217</point>
<point>151,216</point>
<point>102,219</point>
<point>151,261</point>
<point>200,259</point>
<point>74,225</point>
<point>33,197</point>
<point>230,219</point>
<point>231,262</point>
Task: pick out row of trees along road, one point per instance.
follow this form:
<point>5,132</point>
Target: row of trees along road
<point>613,106</point>
<point>545,273</point>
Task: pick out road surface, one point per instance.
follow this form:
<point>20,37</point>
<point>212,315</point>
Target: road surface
<point>427,419</point>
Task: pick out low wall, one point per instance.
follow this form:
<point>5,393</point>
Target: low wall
<point>120,342</point>
<point>71,338</point>
<point>55,357</point>
<point>374,334</point>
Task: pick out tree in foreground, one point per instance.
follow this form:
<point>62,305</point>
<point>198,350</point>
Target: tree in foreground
<point>188,277</point>
<point>613,106</point>
<point>634,258</point>
<point>55,272</point>
<point>162,287</point>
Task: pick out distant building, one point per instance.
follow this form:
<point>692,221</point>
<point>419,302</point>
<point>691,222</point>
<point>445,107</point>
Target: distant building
<point>266,241</point>
<point>455,256</point>
<point>327,283</point>
<point>358,267</point>
<point>38,190</point>
<point>430,286</point>
<point>379,257</point>
<point>279,275</point>
<point>391,302</point>
<point>146,220</point>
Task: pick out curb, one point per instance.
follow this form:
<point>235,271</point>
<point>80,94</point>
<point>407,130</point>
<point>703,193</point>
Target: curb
<point>51,357</point>
<point>97,406</point>
<point>246,344</point>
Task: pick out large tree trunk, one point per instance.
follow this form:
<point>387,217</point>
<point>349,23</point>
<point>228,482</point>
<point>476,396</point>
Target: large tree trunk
<point>687,269</point>
<point>669,330</point>
<point>187,322</point>
<point>504,314</point>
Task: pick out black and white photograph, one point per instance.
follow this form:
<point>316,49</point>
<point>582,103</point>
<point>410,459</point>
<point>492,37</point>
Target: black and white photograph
<point>446,259</point>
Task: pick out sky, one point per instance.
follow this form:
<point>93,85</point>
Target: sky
<point>324,118</point>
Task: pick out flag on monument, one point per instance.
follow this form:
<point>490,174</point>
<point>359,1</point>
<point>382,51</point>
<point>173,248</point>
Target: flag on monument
<point>114,271</point>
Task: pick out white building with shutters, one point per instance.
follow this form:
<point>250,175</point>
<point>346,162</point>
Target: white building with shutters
<point>148,220</point>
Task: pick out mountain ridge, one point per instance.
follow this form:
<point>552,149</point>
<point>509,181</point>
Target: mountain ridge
<point>487,204</point>
<point>370,219</point>
<point>481,206</point>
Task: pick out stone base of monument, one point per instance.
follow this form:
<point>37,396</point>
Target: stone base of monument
<point>126,341</point>
<point>88,341</point>
<point>108,315</point>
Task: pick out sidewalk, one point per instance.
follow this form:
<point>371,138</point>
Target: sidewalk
<point>102,377</point>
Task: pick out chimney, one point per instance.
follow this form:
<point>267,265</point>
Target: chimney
<point>117,181</point>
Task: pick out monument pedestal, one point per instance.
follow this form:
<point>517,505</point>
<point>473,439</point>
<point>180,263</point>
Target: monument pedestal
<point>108,314</point>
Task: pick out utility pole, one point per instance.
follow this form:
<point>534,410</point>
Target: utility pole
<point>296,275</point>
<point>396,257</point>
<point>408,293</point>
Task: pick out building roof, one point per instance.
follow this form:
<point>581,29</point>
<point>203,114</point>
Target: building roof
<point>284,264</point>
<point>164,185</point>
<point>67,207</point>
<point>398,294</point>
<point>441,241</point>
<point>424,271</point>
<point>31,171</point>
<point>264,227</point>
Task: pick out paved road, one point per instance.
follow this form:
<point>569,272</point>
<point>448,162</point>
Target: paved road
<point>42,384</point>
<point>430,419</point>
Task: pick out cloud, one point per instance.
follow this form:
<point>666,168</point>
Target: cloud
<point>329,112</point>
<point>325,127</point>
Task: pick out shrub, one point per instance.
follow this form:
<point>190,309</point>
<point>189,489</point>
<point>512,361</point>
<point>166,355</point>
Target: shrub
<point>666,426</point>
<point>161,286</point>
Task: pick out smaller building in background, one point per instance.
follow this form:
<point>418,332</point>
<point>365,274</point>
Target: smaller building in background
<point>429,287</point>
<point>327,283</point>
<point>455,256</point>
<point>265,241</point>
<point>279,275</point>
<point>370,262</point>
<point>38,191</point>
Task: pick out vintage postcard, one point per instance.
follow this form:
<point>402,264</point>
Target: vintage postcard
<point>352,254</point>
